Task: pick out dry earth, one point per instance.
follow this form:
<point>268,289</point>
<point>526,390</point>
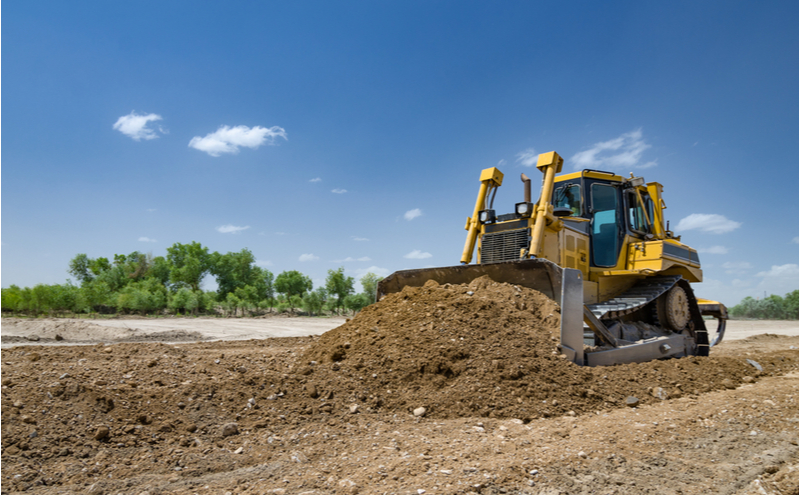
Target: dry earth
<point>342,412</point>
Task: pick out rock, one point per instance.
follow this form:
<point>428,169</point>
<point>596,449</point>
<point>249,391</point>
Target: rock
<point>582,455</point>
<point>95,489</point>
<point>728,383</point>
<point>298,457</point>
<point>59,337</point>
<point>28,419</point>
<point>420,411</point>
<point>102,433</point>
<point>631,401</point>
<point>18,404</point>
<point>33,434</point>
<point>239,450</point>
<point>748,379</point>
<point>230,429</point>
<point>33,338</point>
<point>311,389</point>
<point>660,393</point>
<point>353,408</point>
<point>108,350</point>
<point>191,427</point>
<point>754,364</point>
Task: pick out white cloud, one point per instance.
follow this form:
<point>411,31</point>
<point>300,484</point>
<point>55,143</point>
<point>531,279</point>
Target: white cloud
<point>308,257</point>
<point>228,139</point>
<point>339,191</point>
<point>736,266</point>
<point>624,151</point>
<point>360,238</point>
<point>231,229</point>
<point>363,258</point>
<point>528,158</point>
<point>315,179</point>
<point>151,210</point>
<point>501,162</point>
<point>264,263</point>
<point>779,280</point>
<point>381,272</point>
<point>704,222</point>
<point>146,239</point>
<point>134,126</point>
<point>417,255</point>
<point>412,214</point>
<point>714,250</point>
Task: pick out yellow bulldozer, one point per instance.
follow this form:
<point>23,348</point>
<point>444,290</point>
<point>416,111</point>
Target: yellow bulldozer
<point>597,244</point>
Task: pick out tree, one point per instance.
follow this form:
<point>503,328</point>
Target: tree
<point>369,283</point>
<point>791,305</point>
<point>188,264</point>
<point>292,283</point>
<point>356,302</point>
<point>314,301</point>
<point>339,285</point>
<point>237,270</point>
<point>80,268</point>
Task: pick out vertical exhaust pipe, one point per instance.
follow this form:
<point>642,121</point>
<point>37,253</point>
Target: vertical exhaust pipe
<point>527,186</point>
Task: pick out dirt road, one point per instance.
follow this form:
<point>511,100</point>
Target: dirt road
<point>16,331</point>
<point>418,395</point>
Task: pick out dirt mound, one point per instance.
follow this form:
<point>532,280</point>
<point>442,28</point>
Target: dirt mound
<point>49,330</point>
<point>486,349</point>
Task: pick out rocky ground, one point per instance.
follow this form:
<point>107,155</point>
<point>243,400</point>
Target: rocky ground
<point>440,389</point>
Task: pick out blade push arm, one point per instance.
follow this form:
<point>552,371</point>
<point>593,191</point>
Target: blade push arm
<point>490,178</point>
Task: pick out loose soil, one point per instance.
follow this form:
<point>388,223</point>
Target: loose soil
<point>446,389</point>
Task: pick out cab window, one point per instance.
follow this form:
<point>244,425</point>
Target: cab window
<point>637,221</point>
<point>605,226</point>
<point>569,196</point>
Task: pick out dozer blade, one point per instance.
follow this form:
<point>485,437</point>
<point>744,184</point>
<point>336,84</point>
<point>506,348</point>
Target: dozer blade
<point>539,274</point>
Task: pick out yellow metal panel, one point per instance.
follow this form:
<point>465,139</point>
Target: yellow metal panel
<point>492,174</point>
<point>550,158</point>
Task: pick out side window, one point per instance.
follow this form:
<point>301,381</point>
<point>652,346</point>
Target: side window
<point>605,227</point>
<point>569,196</point>
<point>637,219</point>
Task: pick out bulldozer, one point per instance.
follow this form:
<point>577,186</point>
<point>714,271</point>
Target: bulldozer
<point>597,244</point>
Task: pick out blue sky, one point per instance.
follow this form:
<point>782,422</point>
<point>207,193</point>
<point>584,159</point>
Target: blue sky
<point>320,134</point>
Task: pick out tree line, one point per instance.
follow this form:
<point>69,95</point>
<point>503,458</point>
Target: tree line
<point>770,308</point>
<point>142,284</point>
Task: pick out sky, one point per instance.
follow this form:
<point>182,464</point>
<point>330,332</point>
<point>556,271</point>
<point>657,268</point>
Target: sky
<point>346,134</point>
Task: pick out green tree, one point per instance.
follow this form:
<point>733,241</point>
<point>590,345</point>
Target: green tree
<point>337,284</point>
<point>791,305</point>
<point>188,264</point>
<point>237,270</point>
<point>369,283</point>
<point>80,268</point>
<point>357,302</point>
<point>314,301</point>
<point>292,283</point>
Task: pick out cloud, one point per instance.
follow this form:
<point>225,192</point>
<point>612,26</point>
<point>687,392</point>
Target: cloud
<point>714,250</point>
<point>151,210</point>
<point>134,126</point>
<point>146,239</point>
<point>263,263</point>
<point>528,158</point>
<point>315,179</point>
<point>736,266</point>
<point>412,214</point>
<point>339,191</point>
<point>417,255</point>
<point>501,162</point>
<point>779,279</point>
<point>228,139</point>
<point>360,238</point>
<point>363,258</point>
<point>231,229</point>
<point>712,223</point>
<point>381,272</point>
<point>781,271</point>
<point>308,257</point>
<point>624,151</point>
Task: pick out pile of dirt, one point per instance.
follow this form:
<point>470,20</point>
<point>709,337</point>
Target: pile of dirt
<point>53,330</point>
<point>486,349</point>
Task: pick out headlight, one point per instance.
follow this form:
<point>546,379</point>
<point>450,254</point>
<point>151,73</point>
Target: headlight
<point>486,216</point>
<point>524,209</point>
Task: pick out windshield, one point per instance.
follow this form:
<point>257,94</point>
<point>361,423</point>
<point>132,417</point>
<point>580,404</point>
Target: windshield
<point>568,196</point>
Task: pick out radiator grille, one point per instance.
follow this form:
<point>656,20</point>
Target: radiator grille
<point>503,246</point>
